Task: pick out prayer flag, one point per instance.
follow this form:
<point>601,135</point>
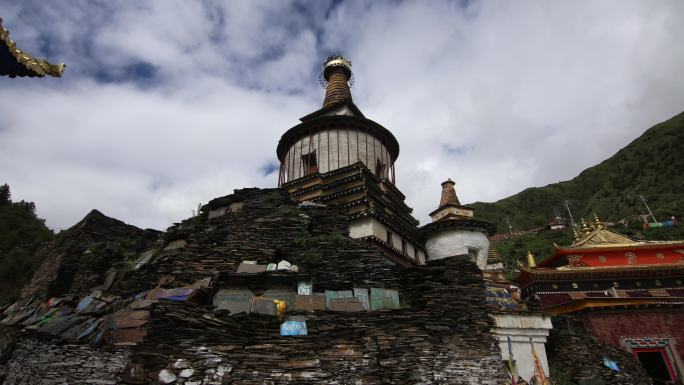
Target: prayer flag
<point>511,365</point>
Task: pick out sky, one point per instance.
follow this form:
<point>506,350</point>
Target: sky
<point>166,104</point>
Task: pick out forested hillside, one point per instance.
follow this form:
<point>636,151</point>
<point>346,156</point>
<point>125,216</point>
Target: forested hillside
<point>652,166</point>
<point>21,233</point>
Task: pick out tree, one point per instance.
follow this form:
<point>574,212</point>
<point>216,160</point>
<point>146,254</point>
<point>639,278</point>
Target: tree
<point>5,196</point>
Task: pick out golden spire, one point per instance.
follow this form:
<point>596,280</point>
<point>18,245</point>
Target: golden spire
<point>530,260</point>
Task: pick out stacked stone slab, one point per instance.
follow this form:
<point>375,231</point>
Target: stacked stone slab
<point>440,335</point>
<point>36,361</point>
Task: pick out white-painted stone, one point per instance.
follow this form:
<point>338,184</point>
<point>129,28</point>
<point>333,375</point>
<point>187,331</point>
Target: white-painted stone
<point>166,376</point>
<point>456,242</point>
<point>521,328</point>
<point>361,228</point>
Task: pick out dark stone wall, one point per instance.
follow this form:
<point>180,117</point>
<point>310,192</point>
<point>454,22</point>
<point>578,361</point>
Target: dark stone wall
<point>577,354</point>
<point>441,335</point>
<point>43,362</point>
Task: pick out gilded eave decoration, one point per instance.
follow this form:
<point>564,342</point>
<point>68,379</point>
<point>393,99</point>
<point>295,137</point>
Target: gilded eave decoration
<point>16,62</point>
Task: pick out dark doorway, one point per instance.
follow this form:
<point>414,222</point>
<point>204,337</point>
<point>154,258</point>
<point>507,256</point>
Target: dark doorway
<point>656,365</point>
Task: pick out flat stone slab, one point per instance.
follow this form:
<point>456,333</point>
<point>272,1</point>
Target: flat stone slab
<point>316,301</point>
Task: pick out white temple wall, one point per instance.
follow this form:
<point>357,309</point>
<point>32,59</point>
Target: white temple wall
<point>335,149</point>
<point>521,328</point>
<point>370,226</point>
<point>458,242</point>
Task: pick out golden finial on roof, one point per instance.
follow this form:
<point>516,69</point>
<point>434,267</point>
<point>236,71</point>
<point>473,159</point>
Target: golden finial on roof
<point>531,263</point>
<point>585,228</point>
<point>576,233</point>
<point>597,222</point>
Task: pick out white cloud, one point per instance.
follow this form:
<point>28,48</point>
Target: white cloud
<point>522,93</point>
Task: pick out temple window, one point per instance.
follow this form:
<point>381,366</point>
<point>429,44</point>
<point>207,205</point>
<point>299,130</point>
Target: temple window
<point>379,168</point>
<point>389,238</point>
<point>309,162</point>
<point>415,252</point>
<point>404,247</point>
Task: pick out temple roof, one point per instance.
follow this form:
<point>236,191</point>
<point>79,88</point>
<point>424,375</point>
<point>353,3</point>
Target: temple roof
<point>596,237</point>
<point>14,62</point>
<point>601,236</point>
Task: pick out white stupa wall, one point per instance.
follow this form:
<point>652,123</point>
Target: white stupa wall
<point>458,242</point>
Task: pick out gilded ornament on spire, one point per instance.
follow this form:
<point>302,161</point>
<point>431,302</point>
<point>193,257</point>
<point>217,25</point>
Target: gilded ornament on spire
<point>585,228</point>
<point>576,234</point>
<point>597,222</point>
<point>531,263</point>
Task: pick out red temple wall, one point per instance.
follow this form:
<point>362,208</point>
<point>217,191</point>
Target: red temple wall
<point>643,257</point>
<point>613,327</point>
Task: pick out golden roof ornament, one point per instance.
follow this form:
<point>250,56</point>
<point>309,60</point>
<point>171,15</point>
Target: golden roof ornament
<point>336,61</point>
<point>597,222</point>
<point>531,263</point>
<point>585,228</point>
<point>576,234</point>
<point>16,62</point>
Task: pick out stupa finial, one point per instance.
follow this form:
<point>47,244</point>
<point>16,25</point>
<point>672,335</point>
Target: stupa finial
<point>336,77</point>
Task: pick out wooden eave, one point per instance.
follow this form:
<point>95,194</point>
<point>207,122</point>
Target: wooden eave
<point>359,178</point>
<point>390,252</point>
<point>619,247</point>
<point>460,224</point>
<point>450,205</point>
<point>15,62</point>
<point>332,107</point>
<point>612,303</point>
<point>528,276</point>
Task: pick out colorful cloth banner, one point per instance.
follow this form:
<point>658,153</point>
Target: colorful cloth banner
<point>671,222</point>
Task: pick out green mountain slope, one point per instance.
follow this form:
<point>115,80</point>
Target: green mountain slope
<point>21,233</point>
<point>652,165</point>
